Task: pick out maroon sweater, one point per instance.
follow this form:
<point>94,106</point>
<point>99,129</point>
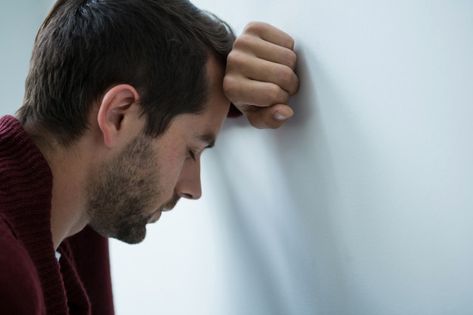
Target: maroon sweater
<point>31,279</point>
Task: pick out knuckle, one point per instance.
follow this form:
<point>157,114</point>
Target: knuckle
<point>254,27</point>
<point>291,83</point>
<point>283,97</point>
<point>273,92</point>
<point>276,95</point>
<point>230,86</point>
<point>291,59</point>
<point>231,57</point>
<point>234,58</point>
<point>290,42</point>
<point>287,80</point>
<point>285,76</point>
<point>243,41</point>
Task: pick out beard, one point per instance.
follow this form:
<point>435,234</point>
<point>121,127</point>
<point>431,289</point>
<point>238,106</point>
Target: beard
<point>122,189</point>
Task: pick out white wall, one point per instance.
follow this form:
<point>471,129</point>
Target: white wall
<point>19,21</point>
<point>363,204</point>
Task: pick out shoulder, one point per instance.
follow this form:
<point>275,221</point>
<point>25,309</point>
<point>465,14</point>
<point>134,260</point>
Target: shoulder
<point>20,289</point>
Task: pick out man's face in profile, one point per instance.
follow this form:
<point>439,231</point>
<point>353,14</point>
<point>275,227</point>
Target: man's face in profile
<point>149,175</point>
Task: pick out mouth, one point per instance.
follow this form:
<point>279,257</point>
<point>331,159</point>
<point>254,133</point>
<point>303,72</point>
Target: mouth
<point>155,216</point>
<point>167,207</point>
<point>170,205</point>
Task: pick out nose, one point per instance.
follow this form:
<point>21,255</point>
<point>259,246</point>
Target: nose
<point>189,185</point>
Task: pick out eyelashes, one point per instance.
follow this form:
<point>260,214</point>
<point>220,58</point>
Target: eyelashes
<point>192,155</point>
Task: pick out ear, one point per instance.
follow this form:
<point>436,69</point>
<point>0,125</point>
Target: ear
<point>118,111</point>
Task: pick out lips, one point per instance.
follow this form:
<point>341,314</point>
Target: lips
<point>167,207</point>
<point>155,216</point>
<point>171,204</point>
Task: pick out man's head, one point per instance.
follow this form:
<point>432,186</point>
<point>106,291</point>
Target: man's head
<point>148,175</point>
<point>141,82</point>
<point>84,47</point>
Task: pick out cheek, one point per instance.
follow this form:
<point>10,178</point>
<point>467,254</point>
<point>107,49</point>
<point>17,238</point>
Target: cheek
<point>169,172</point>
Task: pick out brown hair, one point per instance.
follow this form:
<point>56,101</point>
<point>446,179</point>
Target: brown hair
<point>86,46</point>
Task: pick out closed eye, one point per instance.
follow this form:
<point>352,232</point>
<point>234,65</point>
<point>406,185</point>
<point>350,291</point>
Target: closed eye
<point>192,155</point>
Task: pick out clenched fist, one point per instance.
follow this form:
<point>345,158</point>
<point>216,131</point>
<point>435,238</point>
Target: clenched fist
<point>260,75</point>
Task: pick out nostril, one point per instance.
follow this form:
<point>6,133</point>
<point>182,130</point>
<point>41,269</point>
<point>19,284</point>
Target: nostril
<point>186,195</point>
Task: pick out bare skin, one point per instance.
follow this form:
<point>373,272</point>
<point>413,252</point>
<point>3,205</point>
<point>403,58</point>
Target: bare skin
<point>260,75</point>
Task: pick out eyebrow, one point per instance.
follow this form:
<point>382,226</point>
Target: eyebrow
<point>208,138</point>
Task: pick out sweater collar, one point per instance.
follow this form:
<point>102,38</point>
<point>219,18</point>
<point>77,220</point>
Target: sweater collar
<point>26,187</point>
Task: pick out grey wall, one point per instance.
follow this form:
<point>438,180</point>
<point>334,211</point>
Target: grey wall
<point>19,21</point>
<point>363,203</point>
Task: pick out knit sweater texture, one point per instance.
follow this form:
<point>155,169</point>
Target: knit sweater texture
<point>32,281</point>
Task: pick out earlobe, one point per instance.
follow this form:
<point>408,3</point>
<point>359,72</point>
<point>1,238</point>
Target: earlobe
<point>118,104</point>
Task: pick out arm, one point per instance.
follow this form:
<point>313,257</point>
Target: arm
<point>260,75</point>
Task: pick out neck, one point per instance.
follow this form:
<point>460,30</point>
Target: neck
<point>68,214</point>
<point>68,211</point>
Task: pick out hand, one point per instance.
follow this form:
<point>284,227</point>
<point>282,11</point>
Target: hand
<point>260,75</point>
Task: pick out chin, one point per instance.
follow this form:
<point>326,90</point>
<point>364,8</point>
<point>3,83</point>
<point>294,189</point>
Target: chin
<point>132,236</point>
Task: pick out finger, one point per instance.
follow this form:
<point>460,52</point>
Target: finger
<point>281,112</point>
<point>270,33</point>
<point>266,50</point>
<point>269,117</point>
<point>243,91</point>
<point>263,70</point>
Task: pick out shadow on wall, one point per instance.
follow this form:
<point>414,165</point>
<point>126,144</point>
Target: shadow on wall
<point>306,150</point>
<point>286,263</point>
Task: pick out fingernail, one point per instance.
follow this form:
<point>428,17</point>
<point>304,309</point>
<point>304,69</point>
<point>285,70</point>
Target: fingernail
<point>279,116</point>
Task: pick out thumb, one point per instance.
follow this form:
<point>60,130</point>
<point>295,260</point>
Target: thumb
<point>268,117</point>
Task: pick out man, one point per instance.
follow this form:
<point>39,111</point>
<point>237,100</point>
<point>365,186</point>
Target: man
<point>121,99</point>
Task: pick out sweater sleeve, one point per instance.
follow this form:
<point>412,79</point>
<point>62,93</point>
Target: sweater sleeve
<point>20,289</point>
